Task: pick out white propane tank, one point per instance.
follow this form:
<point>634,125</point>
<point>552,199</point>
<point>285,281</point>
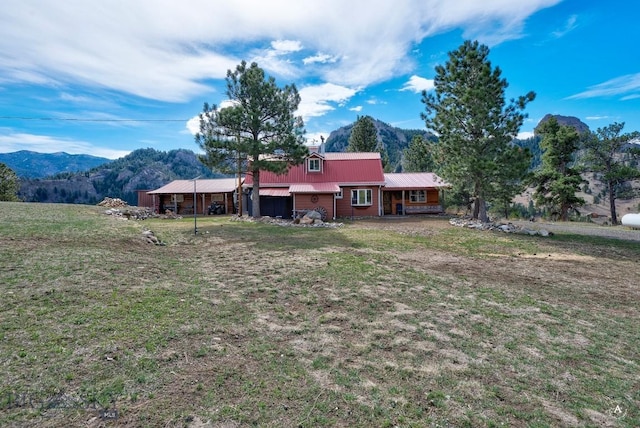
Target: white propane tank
<point>631,220</point>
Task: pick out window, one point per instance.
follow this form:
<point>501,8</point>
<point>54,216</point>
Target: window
<point>418,196</point>
<point>314,165</point>
<point>339,194</point>
<point>361,197</point>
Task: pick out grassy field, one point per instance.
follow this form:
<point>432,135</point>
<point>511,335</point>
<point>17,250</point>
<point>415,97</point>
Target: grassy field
<point>377,323</point>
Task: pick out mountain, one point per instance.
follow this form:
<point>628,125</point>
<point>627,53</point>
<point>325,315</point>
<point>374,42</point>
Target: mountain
<point>28,164</point>
<point>572,121</point>
<point>143,169</point>
<point>394,140</point>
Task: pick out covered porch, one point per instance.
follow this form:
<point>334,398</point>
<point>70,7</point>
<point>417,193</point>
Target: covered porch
<point>413,193</point>
<point>201,197</point>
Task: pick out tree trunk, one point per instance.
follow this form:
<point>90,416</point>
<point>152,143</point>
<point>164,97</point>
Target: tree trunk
<point>482,210</point>
<point>256,194</point>
<point>612,204</point>
<point>564,212</point>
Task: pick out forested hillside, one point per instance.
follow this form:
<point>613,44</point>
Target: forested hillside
<point>28,164</point>
<point>143,169</point>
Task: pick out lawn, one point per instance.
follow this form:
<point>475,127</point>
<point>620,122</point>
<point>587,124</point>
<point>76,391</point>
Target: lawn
<point>376,323</point>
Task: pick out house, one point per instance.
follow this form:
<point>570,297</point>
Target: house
<point>346,185</point>
<point>211,196</point>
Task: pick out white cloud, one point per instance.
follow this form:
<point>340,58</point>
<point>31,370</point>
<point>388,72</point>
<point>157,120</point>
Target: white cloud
<point>628,85</point>
<point>418,84</point>
<point>193,125</point>
<point>524,135</point>
<point>317,100</point>
<point>286,46</point>
<point>13,142</point>
<point>356,109</point>
<point>596,117</point>
<point>169,53</point>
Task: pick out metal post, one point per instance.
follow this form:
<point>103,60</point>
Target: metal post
<point>195,207</point>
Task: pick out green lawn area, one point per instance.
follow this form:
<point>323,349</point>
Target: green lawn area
<point>251,324</point>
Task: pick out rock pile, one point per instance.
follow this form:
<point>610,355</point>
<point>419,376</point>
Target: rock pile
<point>129,213</point>
<point>500,227</point>
<point>282,222</point>
<point>112,203</point>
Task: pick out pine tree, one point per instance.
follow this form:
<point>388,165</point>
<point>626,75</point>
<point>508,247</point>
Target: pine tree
<point>9,184</point>
<point>474,123</point>
<point>557,181</point>
<point>259,126</point>
<point>364,137</point>
<point>418,157</point>
<point>609,154</point>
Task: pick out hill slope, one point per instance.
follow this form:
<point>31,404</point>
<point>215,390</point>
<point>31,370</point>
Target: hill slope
<point>28,164</point>
<point>143,169</point>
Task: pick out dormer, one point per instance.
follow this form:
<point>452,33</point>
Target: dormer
<point>314,163</point>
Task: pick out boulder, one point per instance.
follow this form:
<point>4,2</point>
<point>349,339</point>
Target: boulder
<point>314,215</point>
<point>306,220</point>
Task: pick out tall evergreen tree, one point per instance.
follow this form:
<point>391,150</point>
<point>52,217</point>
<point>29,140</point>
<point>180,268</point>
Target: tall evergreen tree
<point>418,157</point>
<point>557,181</point>
<point>9,184</point>
<point>363,137</point>
<point>259,126</point>
<point>612,158</point>
<point>475,125</point>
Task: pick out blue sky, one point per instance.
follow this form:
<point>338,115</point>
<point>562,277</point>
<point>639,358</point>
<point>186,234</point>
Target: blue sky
<point>105,78</point>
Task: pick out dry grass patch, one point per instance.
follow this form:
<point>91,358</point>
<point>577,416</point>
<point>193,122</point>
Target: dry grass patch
<point>379,323</point>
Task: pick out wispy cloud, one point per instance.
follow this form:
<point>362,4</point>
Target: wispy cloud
<point>596,117</point>
<point>171,53</point>
<point>319,58</point>
<point>628,86</point>
<point>13,142</point>
<point>356,109</point>
<point>570,25</point>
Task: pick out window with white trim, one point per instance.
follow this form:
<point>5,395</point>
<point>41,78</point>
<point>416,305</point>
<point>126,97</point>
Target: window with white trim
<point>339,194</point>
<point>361,197</point>
<point>418,196</point>
<point>313,165</point>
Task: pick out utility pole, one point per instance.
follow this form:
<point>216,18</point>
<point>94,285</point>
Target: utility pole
<point>239,193</point>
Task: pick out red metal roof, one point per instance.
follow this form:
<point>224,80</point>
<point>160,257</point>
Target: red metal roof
<point>217,185</point>
<point>413,180</point>
<point>313,188</point>
<point>274,191</point>
<point>339,168</point>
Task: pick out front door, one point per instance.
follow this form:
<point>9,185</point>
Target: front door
<point>386,203</point>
